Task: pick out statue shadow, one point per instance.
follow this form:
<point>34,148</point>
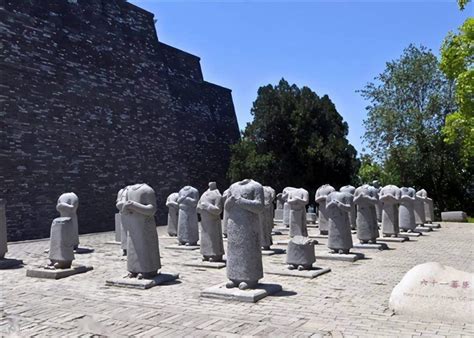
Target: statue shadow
<point>285,293</point>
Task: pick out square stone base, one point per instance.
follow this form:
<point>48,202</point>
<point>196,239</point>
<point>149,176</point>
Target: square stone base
<point>433,225</point>
<point>312,225</point>
<point>182,247</point>
<point>282,242</point>
<point>319,236</point>
<point>273,251</point>
<point>376,246</point>
<point>276,233</point>
<point>284,271</point>
<point>351,257</point>
<point>83,250</point>
<point>393,239</point>
<point>58,273</point>
<point>251,296</point>
<point>281,229</point>
<point>10,263</point>
<point>112,243</point>
<point>142,284</point>
<point>423,229</point>
<point>199,263</point>
<point>410,234</point>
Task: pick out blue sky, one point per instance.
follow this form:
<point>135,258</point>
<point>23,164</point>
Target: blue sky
<point>333,47</point>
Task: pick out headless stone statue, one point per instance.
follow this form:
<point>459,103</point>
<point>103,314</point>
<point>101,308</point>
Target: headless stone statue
<point>320,198</point>
<point>406,211</point>
<point>420,199</point>
<point>378,206</point>
<point>67,207</point>
<point>244,256</point>
<point>353,214</point>
<point>266,218</point>
<point>3,229</point>
<point>279,201</point>
<point>188,230</point>
<point>366,198</point>
<point>210,208</point>
<point>143,255</point>
<point>173,209</point>
<point>225,216</point>
<point>390,198</point>
<point>286,206</point>
<point>429,210</point>
<point>338,205</point>
<point>298,199</point>
<point>121,199</point>
<point>300,253</point>
<point>61,243</point>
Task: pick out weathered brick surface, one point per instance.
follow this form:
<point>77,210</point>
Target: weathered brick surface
<point>91,101</point>
<point>350,301</point>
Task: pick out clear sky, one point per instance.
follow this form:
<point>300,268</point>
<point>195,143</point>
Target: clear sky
<point>334,47</point>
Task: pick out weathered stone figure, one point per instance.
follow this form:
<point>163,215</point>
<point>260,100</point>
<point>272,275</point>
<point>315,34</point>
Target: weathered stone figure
<point>188,230</point>
<point>121,199</point>
<point>300,253</point>
<point>138,211</point>
<point>298,199</point>
<point>429,210</point>
<point>266,218</point>
<point>210,208</point>
<point>320,198</point>
<point>67,207</point>
<point>390,198</point>
<point>61,243</point>
<point>378,206</point>
<point>353,214</point>
<point>338,205</point>
<point>279,207</point>
<point>3,229</point>
<point>420,199</point>
<point>286,206</point>
<point>244,256</point>
<point>406,210</point>
<point>173,209</point>
<point>225,216</point>
<point>366,198</point>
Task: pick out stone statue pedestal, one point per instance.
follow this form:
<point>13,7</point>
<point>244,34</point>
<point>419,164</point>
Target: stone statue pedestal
<point>423,229</point>
<point>182,247</point>
<point>142,284</point>
<point>250,295</point>
<point>399,239</point>
<point>410,234</point>
<point>350,257</point>
<point>199,263</point>
<point>432,225</point>
<point>311,273</point>
<point>41,272</point>
<point>10,263</point>
<point>273,251</point>
<point>376,246</point>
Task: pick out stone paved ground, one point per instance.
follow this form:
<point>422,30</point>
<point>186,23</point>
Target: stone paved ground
<point>352,300</point>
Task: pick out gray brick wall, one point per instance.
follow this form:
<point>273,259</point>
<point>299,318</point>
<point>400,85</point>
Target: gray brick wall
<point>91,101</point>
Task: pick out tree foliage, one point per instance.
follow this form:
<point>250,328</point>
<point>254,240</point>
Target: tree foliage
<point>295,139</point>
<point>407,108</point>
<point>457,62</point>
<point>462,4</point>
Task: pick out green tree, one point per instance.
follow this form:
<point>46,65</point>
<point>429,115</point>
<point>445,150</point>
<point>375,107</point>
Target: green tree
<point>295,139</point>
<point>457,62</point>
<point>407,108</point>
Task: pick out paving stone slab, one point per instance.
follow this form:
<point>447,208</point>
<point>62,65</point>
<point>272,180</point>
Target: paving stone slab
<point>250,296</point>
<point>273,251</point>
<point>41,272</point>
<point>142,284</point>
<point>284,271</point>
<point>351,257</point>
<point>205,264</point>
<point>376,246</point>
<point>10,263</point>
<point>393,239</point>
<point>182,247</point>
<point>411,234</point>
